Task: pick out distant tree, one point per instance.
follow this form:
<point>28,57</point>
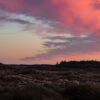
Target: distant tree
<point>1,64</point>
<point>63,62</point>
<point>57,63</point>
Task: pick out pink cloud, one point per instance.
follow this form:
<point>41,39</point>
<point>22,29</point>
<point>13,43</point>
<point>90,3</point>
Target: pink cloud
<point>80,13</point>
<point>74,16</point>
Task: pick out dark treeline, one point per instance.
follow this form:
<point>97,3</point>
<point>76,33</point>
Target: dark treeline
<point>79,64</point>
<point>62,64</point>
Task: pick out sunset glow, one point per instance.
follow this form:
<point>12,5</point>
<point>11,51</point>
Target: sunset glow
<point>47,31</point>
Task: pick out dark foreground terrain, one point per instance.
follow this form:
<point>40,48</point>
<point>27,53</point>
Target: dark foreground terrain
<point>64,81</point>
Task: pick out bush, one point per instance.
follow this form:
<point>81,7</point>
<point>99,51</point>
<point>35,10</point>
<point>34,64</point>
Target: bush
<point>28,92</point>
<point>82,92</point>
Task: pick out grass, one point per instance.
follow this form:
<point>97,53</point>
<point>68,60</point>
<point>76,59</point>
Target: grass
<point>28,92</point>
<point>27,83</point>
<point>82,92</point>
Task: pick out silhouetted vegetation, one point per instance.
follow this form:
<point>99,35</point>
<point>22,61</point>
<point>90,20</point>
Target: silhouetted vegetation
<point>82,92</point>
<point>64,81</point>
<point>80,64</point>
<point>1,64</point>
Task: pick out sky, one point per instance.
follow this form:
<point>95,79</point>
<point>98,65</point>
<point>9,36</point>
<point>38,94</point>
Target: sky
<point>48,31</point>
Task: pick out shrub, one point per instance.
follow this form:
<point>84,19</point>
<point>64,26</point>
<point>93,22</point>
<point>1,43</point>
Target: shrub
<point>82,92</point>
<point>28,92</point>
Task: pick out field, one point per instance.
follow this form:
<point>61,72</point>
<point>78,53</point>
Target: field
<point>50,82</point>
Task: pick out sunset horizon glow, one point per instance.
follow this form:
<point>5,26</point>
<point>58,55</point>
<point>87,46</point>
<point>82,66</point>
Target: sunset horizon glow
<point>48,31</point>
